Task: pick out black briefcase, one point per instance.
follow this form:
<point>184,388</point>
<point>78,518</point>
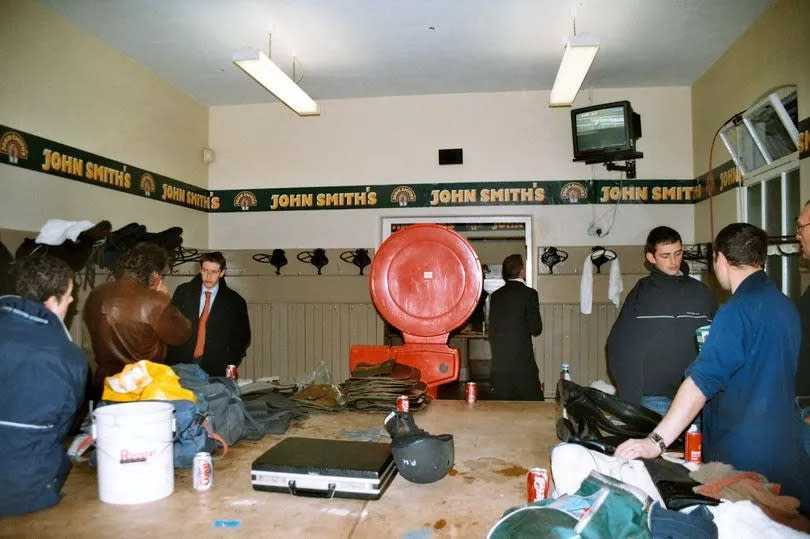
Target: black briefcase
<point>325,468</point>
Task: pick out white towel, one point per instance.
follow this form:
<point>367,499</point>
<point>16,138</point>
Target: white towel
<point>56,231</point>
<point>586,286</point>
<point>615,284</point>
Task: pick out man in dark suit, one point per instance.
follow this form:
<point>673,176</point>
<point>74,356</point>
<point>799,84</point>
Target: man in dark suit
<point>220,328</point>
<point>514,316</point>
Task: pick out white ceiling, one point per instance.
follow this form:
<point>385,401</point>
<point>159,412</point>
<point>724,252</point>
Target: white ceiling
<point>365,48</point>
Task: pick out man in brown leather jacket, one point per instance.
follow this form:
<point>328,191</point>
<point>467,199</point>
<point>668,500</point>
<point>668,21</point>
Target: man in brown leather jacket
<point>132,318</point>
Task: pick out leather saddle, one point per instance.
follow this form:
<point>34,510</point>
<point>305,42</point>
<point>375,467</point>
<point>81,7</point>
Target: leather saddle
<point>377,386</point>
<point>600,421</point>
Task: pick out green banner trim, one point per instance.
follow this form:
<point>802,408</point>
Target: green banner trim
<point>24,150</point>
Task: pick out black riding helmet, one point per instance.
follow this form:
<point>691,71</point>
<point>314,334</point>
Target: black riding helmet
<point>420,457</point>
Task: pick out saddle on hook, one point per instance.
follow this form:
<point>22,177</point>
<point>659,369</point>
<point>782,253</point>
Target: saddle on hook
<point>552,256</point>
<point>601,255</point>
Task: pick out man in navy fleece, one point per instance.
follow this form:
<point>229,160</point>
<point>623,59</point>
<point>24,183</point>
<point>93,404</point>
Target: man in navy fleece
<point>744,375</point>
<point>42,379</point>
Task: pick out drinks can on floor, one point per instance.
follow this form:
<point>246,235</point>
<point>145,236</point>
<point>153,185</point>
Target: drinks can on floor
<point>202,471</point>
<point>693,448</point>
<point>231,372</point>
<point>471,392</point>
<point>403,404</point>
<point>537,485</point>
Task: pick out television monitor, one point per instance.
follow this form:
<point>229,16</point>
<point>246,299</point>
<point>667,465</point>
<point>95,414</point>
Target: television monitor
<point>605,132</point>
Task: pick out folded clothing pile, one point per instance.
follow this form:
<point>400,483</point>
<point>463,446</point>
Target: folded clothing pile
<point>377,386</point>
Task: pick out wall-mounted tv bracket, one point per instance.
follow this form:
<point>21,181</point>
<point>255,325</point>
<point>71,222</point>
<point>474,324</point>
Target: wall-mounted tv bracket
<point>629,158</point>
<point>629,168</point>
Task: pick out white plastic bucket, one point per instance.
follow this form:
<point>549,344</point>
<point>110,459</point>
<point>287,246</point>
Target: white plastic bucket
<point>135,451</point>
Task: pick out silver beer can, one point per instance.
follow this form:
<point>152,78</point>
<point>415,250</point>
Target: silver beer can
<point>202,467</point>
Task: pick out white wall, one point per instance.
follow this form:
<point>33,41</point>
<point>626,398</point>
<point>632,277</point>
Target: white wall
<point>505,136</point>
<point>60,83</point>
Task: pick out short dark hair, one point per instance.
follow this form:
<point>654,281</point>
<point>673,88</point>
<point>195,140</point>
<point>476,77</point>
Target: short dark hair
<point>661,234</point>
<point>512,265</point>
<point>742,244</point>
<point>214,256</point>
<point>38,277</point>
<point>141,262</point>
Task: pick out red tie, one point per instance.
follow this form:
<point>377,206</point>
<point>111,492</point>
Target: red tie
<point>200,346</point>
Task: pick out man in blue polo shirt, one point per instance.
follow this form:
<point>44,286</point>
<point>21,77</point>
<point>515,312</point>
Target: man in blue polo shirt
<point>744,375</point>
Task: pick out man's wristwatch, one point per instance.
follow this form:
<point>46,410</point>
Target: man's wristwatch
<point>657,440</point>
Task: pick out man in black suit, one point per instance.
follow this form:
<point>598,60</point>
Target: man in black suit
<point>220,328</point>
<point>514,316</point>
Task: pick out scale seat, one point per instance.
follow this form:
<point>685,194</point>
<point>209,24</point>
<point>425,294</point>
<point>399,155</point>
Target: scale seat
<point>425,280</point>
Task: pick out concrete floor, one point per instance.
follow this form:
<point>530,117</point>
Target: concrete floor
<point>495,444</point>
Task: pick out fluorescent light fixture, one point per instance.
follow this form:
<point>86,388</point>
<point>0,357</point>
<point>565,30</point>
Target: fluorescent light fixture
<point>256,64</point>
<point>577,58</point>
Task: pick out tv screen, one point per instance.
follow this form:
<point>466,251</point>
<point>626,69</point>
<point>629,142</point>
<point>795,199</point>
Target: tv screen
<point>603,132</point>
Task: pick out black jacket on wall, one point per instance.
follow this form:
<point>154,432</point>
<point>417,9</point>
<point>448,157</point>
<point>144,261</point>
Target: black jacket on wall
<point>227,333</point>
<point>514,316</point>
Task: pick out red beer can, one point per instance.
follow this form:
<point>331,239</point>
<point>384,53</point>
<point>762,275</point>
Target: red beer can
<point>693,448</point>
<point>403,404</point>
<point>537,485</point>
<point>231,372</point>
<point>471,392</point>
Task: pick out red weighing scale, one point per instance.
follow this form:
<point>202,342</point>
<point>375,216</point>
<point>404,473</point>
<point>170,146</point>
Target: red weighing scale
<point>425,280</point>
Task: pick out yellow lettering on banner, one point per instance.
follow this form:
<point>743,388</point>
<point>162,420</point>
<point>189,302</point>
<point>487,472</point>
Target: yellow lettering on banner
<point>676,193</point>
<point>539,194</point>
<point>197,200</point>
<point>669,193</point>
<point>66,164</point>
<point>99,174</point>
<point>215,201</point>
<point>688,193</point>
<point>804,141</point>
<point>730,178</point>
<point>363,198</point>
<point>176,194</point>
